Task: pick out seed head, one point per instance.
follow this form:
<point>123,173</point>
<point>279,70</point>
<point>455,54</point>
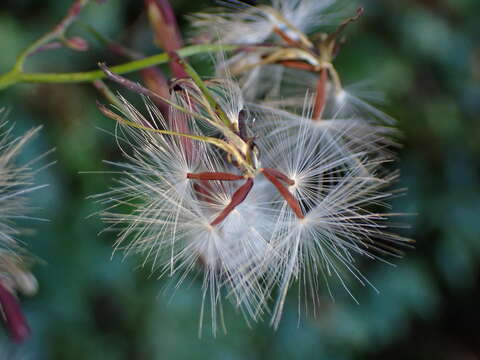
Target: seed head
<point>16,181</point>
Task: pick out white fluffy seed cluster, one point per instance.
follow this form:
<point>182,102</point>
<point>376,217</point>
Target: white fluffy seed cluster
<point>16,182</point>
<point>334,166</point>
<point>240,23</point>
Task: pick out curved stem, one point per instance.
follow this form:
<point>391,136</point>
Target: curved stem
<point>335,77</point>
<point>57,33</point>
<point>320,95</point>
<point>17,76</point>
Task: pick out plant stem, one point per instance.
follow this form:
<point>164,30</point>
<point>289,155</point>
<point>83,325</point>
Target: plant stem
<point>55,34</point>
<point>17,76</point>
<point>190,71</point>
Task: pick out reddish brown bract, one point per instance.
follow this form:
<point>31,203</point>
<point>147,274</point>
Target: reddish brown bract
<point>14,319</point>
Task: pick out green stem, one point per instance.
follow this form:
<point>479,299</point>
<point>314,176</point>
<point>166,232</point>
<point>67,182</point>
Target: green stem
<point>203,88</point>
<point>8,79</point>
<point>16,76</point>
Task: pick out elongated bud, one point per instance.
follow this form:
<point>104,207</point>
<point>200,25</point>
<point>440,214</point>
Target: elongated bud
<point>163,22</point>
<point>156,81</point>
<point>165,27</point>
<point>13,316</point>
<point>237,198</point>
<point>76,43</point>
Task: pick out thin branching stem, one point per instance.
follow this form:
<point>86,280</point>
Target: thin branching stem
<point>57,33</point>
<point>13,77</point>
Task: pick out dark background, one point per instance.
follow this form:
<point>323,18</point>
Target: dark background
<point>424,55</point>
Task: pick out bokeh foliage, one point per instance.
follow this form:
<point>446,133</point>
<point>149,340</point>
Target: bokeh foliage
<point>423,54</point>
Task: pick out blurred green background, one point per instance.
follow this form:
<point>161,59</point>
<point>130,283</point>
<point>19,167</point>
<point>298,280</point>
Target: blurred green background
<point>425,56</point>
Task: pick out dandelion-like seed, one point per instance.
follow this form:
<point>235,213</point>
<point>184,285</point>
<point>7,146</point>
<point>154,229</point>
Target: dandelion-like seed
<point>256,24</point>
<point>255,210</point>
<point>215,211</point>
<point>15,183</point>
<point>290,73</point>
<point>275,37</point>
<point>188,210</point>
<point>336,191</point>
<point>269,174</point>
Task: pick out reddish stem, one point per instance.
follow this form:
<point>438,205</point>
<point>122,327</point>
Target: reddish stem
<point>130,85</point>
<point>152,77</point>
<point>299,65</point>
<point>344,24</point>
<point>321,95</point>
<point>72,14</point>
<point>237,198</point>
<point>47,47</point>
<point>285,37</point>
<point>14,319</point>
<point>287,195</point>
<point>222,176</point>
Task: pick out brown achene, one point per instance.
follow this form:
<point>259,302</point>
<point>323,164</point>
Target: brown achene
<point>274,176</point>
